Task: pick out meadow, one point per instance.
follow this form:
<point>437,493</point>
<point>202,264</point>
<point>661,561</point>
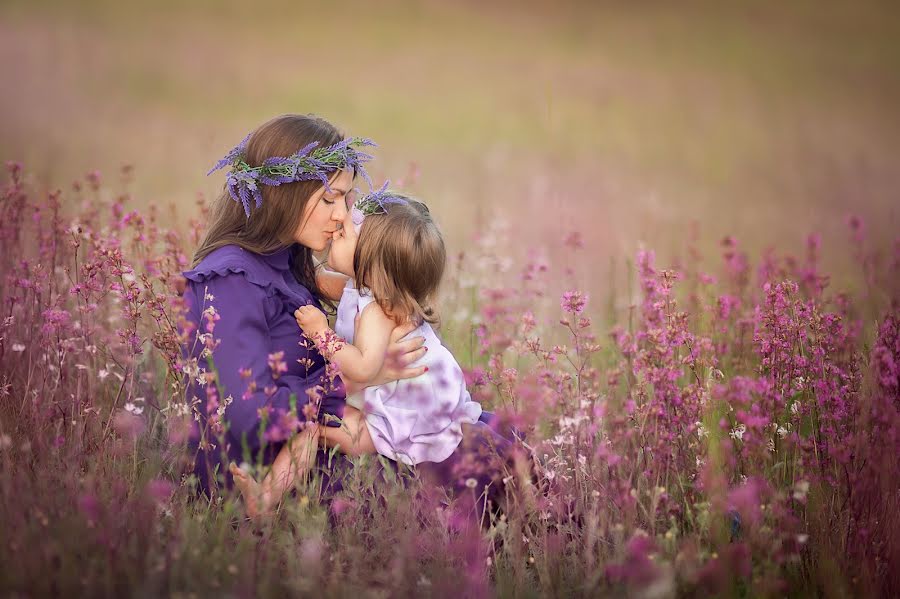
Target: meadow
<point>674,267</point>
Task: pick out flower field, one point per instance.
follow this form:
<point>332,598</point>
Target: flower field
<point>731,429</point>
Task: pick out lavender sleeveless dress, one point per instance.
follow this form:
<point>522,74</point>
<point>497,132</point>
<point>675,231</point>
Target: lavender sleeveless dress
<point>413,420</point>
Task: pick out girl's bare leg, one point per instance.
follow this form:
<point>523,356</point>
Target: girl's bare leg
<point>352,437</point>
<point>292,461</point>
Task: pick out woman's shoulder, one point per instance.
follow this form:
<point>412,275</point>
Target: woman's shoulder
<point>233,261</point>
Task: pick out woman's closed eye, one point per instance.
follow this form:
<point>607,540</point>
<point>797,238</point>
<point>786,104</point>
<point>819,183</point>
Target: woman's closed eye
<point>340,196</point>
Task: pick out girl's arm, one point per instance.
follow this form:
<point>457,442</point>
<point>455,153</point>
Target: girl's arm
<point>359,362</point>
<point>330,283</point>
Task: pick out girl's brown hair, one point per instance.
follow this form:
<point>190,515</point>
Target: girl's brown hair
<point>271,227</point>
<point>400,258</point>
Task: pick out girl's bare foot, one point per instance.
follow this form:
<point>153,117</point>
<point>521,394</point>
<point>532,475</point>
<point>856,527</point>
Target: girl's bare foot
<point>255,499</point>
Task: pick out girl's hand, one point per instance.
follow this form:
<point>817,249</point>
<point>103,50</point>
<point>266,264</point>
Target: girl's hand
<point>311,320</point>
<point>400,354</point>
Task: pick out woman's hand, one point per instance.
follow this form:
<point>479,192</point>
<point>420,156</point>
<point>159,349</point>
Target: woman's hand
<point>400,354</point>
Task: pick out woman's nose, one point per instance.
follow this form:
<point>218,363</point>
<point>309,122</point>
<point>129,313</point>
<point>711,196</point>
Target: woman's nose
<point>339,213</point>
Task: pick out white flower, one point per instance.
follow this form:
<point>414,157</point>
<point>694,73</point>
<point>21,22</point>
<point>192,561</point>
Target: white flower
<point>782,432</point>
<point>566,422</point>
<point>738,433</point>
<point>701,430</point>
<point>802,538</point>
<point>800,490</point>
<point>103,373</point>
<point>471,483</point>
<point>18,347</point>
<point>190,368</point>
<point>795,408</point>
<point>136,410</point>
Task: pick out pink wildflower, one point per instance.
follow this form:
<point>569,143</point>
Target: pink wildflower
<point>574,302</point>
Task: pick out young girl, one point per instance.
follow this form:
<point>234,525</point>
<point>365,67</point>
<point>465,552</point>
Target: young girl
<point>394,256</point>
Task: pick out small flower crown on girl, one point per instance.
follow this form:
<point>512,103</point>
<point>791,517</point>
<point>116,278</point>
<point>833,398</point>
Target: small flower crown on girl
<point>374,203</point>
<point>309,163</point>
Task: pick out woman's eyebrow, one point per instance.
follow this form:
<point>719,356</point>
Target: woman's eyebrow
<point>337,191</point>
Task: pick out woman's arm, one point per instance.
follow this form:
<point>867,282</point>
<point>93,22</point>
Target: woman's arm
<point>361,361</point>
<point>330,283</point>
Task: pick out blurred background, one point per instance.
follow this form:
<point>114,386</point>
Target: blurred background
<point>624,121</point>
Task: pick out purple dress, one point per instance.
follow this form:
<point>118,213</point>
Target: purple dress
<point>254,297</point>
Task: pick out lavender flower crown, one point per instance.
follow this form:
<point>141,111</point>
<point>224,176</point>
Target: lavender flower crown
<point>374,203</point>
<point>309,164</point>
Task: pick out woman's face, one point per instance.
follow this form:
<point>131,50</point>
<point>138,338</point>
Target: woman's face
<point>324,213</point>
<point>343,246</point>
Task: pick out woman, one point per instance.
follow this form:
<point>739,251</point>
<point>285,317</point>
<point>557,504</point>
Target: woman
<point>253,377</point>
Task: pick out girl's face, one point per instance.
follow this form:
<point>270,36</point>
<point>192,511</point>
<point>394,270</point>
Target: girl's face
<point>324,213</point>
<point>343,246</point>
